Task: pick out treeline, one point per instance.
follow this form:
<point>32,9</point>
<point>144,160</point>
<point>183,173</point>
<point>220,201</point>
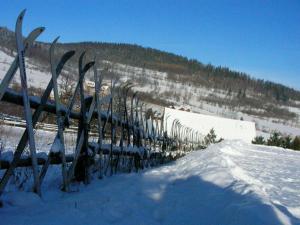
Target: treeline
<point>279,140</point>
<point>178,67</point>
<point>187,70</point>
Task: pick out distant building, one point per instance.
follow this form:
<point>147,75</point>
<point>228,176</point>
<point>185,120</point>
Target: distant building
<point>185,108</point>
<point>229,129</point>
<point>104,89</point>
<point>89,87</point>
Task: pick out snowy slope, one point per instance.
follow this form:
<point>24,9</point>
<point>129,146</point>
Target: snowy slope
<point>36,78</point>
<point>229,183</point>
<point>224,128</point>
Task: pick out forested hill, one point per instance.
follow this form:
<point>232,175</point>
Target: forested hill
<point>179,68</point>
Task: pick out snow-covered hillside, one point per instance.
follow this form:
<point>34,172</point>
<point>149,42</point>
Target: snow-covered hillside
<point>229,183</point>
<point>36,77</point>
<point>157,84</point>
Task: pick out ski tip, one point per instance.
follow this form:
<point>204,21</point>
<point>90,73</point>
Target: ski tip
<point>70,53</point>
<point>42,29</point>
<point>18,29</point>
<point>21,15</point>
<point>52,47</point>
<point>37,31</point>
<point>55,40</point>
<point>88,66</point>
<point>81,60</point>
<point>82,54</point>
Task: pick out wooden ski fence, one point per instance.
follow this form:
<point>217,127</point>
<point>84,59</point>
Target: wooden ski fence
<point>129,136</point>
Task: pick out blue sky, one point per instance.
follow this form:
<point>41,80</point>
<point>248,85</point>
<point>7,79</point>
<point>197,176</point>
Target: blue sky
<point>259,37</point>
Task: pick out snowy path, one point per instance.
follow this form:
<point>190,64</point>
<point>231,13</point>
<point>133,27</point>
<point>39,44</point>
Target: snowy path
<point>229,183</point>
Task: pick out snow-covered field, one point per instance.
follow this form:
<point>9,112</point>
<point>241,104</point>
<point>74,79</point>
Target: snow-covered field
<point>227,129</point>
<point>229,183</point>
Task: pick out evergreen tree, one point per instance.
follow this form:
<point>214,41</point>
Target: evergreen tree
<point>210,137</point>
<point>287,142</point>
<point>244,94</point>
<point>229,92</point>
<point>275,139</point>
<point>296,143</point>
<point>239,95</point>
<point>259,140</point>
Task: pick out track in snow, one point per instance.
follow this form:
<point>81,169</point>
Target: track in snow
<point>229,183</point>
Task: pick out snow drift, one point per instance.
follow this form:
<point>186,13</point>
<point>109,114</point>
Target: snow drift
<point>229,183</point>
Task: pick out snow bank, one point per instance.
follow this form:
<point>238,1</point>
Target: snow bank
<point>224,128</point>
<point>229,183</point>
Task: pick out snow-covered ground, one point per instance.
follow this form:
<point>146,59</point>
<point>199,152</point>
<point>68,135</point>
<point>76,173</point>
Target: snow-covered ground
<point>227,129</point>
<point>10,136</point>
<point>36,78</point>
<point>229,183</point>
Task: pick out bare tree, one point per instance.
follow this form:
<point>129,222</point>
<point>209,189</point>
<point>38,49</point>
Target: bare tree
<point>66,87</point>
